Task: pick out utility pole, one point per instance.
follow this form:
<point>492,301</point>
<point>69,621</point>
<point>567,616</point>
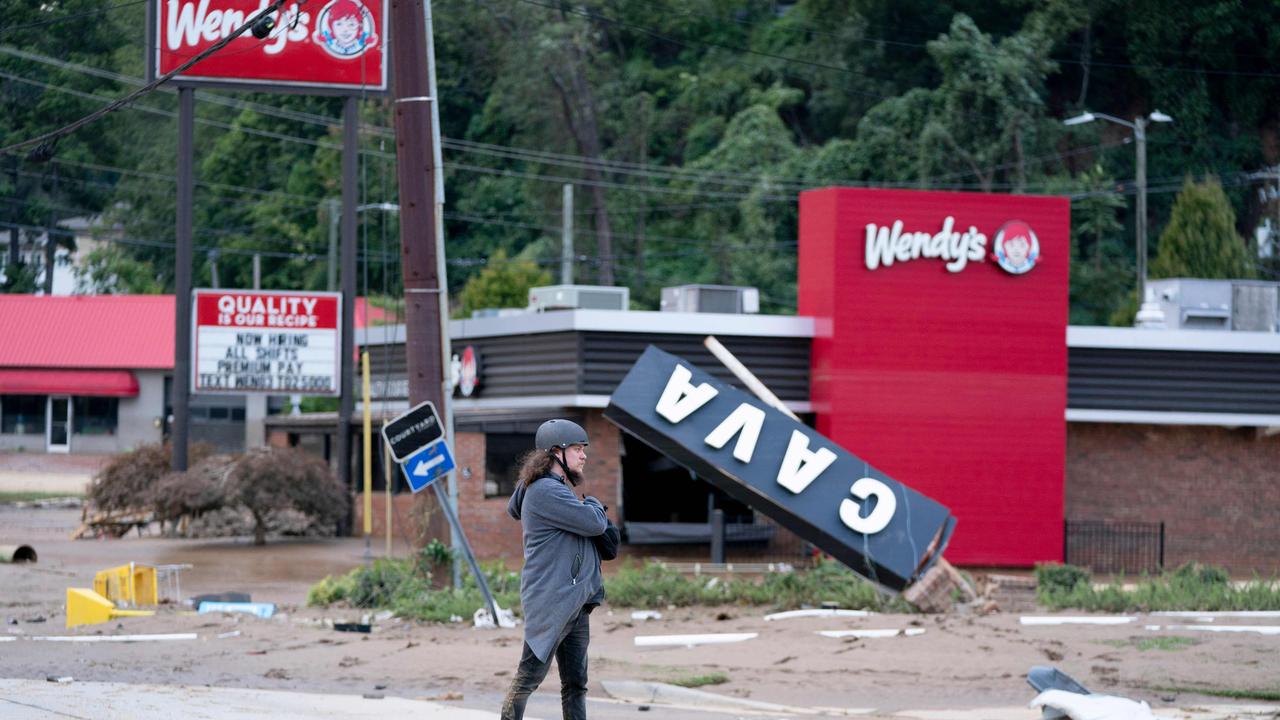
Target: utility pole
<point>346,402</point>
<point>566,237</point>
<point>333,208</point>
<point>416,174</point>
<point>1140,139</point>
<point>182,276</point>
<point>422,262</point>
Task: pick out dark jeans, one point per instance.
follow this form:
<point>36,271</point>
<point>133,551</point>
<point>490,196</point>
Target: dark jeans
<point>571,657</point>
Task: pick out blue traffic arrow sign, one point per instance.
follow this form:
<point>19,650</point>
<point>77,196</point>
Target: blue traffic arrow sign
<point>424,466</point>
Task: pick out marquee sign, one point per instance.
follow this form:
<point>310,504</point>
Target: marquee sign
<point>266,341</point>
<point>315,44</point>
<point>786,470</point>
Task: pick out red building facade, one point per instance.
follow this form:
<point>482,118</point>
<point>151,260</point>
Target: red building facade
<point>940,354</point>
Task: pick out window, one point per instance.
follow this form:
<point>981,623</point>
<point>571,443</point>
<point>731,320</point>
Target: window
<point>502,453</point>
<point>94,415</point>
<point>22,414</point>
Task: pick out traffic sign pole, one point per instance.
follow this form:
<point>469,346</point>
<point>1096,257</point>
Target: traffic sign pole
<point>466,551</point>
<point>417,441</point>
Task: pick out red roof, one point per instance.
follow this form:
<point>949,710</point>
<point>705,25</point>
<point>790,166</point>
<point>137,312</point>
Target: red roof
<point>98,331</point>
<point>86,331</point>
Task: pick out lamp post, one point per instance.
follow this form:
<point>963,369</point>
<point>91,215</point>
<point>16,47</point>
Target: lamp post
<point>1139,128</point>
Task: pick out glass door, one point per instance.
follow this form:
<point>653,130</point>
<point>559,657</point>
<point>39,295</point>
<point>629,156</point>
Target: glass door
<point>58,427</point>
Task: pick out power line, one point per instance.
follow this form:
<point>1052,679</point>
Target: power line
<point>48,141</point>
<point>65,18</point>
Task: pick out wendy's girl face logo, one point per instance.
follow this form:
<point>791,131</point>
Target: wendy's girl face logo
<point>345,29</point>
<point>1016,249</point>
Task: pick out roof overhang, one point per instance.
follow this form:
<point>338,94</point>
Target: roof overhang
<point>43,381</point>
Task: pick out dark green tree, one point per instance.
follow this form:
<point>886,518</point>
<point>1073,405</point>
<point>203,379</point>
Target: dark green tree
<point>1200,240</point>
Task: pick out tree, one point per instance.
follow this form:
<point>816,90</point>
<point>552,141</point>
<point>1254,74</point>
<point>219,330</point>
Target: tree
<point>1200,240</point>
<point>39,194</point>
<point>268,480</point>
<point>503,283</point>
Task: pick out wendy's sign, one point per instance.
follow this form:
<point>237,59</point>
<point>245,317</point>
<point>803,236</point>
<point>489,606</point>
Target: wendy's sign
<point>941,352</point>
<point>786,470</point>
<point>326,45</point>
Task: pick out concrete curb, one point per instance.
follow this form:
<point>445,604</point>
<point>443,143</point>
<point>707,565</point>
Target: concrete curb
<point>40,700</point>
<point>655,693</point>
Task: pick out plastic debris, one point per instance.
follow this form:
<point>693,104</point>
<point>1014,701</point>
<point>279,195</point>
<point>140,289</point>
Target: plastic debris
<point>262,610</point>
<point>872,633</point>
<point>483,619</point>
<point>692,640</point>
<point>1076,619</point>
<point>646,615</point>
<point>1092,707</point>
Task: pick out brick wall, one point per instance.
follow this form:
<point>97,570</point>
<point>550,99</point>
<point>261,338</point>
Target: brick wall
<point>1216,489</point>
<point>404,526</point>
<point>493,534</point>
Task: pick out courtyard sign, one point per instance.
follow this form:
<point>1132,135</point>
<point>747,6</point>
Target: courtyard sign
<point>786,470</point>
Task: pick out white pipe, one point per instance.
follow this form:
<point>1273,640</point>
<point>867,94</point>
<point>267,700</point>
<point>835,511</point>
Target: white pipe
<point>691,640</point>
<point>741,372</point>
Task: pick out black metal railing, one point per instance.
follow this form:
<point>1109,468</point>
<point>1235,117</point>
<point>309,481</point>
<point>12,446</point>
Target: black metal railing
<point>1106,546</point>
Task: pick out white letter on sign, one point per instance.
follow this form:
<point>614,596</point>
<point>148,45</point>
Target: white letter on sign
<point>886,504</point>
<point>800,466</point>
<point>747,420</point>
<point>681,398</point>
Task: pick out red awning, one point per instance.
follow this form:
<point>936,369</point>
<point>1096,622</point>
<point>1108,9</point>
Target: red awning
<point>111,383</point>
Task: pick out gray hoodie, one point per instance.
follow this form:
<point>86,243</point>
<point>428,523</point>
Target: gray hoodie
<point>561,566</point>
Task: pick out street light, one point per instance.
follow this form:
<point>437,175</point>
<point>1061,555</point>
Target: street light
<point>1139,128</point>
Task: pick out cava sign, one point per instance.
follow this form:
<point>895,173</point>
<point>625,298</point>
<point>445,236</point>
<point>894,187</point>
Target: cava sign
<point>782,468</point>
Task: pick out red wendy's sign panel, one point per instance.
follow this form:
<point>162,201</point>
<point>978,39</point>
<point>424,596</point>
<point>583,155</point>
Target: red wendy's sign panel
<point>322,44</point>
<point>941,353</point>
<point>266,341</point>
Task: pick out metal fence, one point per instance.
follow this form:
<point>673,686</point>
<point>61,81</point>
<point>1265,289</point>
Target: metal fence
<point>1106,546</point>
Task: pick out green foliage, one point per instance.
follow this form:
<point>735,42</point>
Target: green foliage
<point>1200,240</point>
<point>1052,578</point>
<point>1163,643</point>
<point>744,103</point>
<point>1233,693</point>
<point>436,553</point>
<point>654,585</point>
<point>503,283</point>
<point>1191,587</point>
<point>695,681</point>
<point>405,587</point>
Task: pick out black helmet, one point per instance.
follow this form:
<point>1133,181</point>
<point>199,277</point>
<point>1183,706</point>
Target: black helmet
<point>559,434</point>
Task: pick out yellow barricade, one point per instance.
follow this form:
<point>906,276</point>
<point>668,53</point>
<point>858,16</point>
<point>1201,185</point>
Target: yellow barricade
<point>131,584</point>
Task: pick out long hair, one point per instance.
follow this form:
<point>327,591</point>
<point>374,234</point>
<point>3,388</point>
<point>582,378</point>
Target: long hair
<point>535,464</point>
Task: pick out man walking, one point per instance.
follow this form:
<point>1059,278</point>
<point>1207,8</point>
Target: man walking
<point>561,582</point>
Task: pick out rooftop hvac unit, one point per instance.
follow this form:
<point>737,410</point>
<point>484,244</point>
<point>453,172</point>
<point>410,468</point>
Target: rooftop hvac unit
<point>579,297</point>
<point>1193,304</point>
<point>711,299</point>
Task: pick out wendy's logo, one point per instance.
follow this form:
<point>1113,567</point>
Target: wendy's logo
<point>1016,249</point>
<point>345,29</point>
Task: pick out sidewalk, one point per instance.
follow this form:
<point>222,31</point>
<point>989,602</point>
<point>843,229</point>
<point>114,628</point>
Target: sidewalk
<point>46,472</point>
<point>42,700</point>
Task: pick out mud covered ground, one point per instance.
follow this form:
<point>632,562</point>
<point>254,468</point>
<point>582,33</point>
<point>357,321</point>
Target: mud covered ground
<point>960,661</point>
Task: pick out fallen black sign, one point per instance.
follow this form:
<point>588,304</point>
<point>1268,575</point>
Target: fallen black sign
<point>878,527</point>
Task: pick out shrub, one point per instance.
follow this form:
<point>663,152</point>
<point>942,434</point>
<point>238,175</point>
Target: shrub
<point>201,489</point>
<point>129,481</point>
<point>272,479</point>
<point>1190,587</point>
<point>404,586</point>
<point>1052,578</point>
